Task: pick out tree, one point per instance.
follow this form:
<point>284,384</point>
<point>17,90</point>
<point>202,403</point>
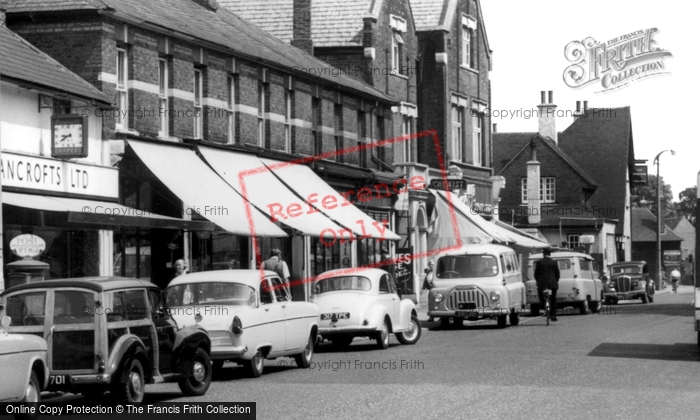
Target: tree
<point>687,202</point>
<point>648,193</point>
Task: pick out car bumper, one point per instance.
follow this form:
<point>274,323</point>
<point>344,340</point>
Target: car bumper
<point>227,352</point>
<point>349,330</point>
<point>470,313</point>
<point>637,294</point>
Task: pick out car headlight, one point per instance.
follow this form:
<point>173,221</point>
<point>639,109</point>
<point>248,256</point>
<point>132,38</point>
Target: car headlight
<point>438,297</point>
<point>495,296</point>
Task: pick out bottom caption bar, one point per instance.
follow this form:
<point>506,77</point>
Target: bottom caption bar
<point>164,410</point>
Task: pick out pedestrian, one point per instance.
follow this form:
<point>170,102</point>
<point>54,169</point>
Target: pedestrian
<point>428,282</point>
<point>547,277</point>
<point>278,265</point>
<point>180,267</point>
<point>675,279</point>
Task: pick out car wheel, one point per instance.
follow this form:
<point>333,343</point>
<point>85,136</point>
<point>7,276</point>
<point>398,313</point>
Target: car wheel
<point>255,365</point>
<point>445,322</point>
<point>583,307</point>
<point>383,336</point>
<point>132,387</point>
<point>534,310</point>
<point>32,397</point>
<point>412,335</point>
<point>342,342</point>
<point>199,378</point>
<point>303,359</point>
<point>645,298</point>
<point>514,318</point>
<point>502,321</point>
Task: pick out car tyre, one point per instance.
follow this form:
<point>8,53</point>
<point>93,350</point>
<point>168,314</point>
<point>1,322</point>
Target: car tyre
<point>514,318</point>
<point>303,359</point>
<point>383,336</point>
<point>32,397</point>
<point>198,381</point>
<point>534,310</point>
<point>132,388</point>
<point>502,321</point>
<point>255,365</point>
<point>583,307</point>
<point>645,297</point>
<point>342,342</point>
<point>412,335</point>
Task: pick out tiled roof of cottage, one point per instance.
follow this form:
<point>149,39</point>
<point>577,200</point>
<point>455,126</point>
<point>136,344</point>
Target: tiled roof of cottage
<point>21,62</point>
<point>333,23</point>
<point>644,227</point>
<point>602,145</point>
<point>220,27</point>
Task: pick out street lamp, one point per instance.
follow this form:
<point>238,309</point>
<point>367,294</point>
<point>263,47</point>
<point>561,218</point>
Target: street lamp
<point>659,270</point>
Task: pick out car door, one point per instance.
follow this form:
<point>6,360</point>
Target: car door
<point>388,297</point>
<point>166,328</point>
<point>271,327</point>
<point>296,335</point>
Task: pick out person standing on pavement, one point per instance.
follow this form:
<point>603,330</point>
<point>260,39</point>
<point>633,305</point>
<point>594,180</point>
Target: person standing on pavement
<point>547,277</point>
<point>428,281</point>
<point>278,265</point>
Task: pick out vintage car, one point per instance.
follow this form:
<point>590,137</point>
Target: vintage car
<point>24,369</point>
<point>362,302</point>
<point>248,314</point>
<point>579,283</point>
<point>477,281</point>
<point>628,280</point>
<point>110,334</point>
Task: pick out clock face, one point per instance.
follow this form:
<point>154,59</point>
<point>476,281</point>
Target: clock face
<point>68,136</point>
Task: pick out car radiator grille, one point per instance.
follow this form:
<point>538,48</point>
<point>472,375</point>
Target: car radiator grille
<point>624,284</point>
<point>220,338</point>
<point>463,296</point>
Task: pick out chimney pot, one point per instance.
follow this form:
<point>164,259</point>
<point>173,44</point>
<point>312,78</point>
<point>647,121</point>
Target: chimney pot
<point>544,98</point>
<point>551,97</point>
<point>495,127</point>
<point>578,106</point>
<point>585,106</point>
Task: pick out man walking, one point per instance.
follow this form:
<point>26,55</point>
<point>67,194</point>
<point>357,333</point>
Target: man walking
<point>547,277</point>
<point>276,264</point>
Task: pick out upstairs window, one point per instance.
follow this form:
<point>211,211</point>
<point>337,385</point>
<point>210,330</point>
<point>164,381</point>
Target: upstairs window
<point>477,140</point>
<point>288,121</point>
<point>122,91</point>
<point>468,35</point>
<point>547,190</point>
<point>398,60</point>
<point>457,133</point>
<point>230,111</point>
<point>262,135</point>
<point>406,130</point>
<point>198,120</point>
<point>163,106</point>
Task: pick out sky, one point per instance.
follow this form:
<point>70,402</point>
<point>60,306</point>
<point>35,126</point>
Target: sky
<point>528,39</point>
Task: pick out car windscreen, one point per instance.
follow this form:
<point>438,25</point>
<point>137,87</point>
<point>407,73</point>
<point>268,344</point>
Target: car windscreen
<point>466,266</point>
<point>210,293</point>
<point>630,269</point>
<point>344,283</point>
<point>566,269</point>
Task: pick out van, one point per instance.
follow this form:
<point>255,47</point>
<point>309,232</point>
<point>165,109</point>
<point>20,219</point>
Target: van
<point>477,281</point>
<point>580,285</point>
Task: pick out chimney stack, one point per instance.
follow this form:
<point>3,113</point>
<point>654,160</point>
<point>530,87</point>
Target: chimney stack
<point>533,186</point>
<point>547,117</point>
<point>495,127</point>
<point>301,26</point>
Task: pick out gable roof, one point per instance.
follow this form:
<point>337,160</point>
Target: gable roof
<point>21,62</point>
<point>219,29</point>
<point>506,143</point>
<point>602,145</point>
<point>333,23</point>
<point>439,15</point>
<point>644,227</point>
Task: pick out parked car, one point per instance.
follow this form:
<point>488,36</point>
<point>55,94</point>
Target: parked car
<point>629,280</point>
<point>24,369</point>
<point>580,285</point>
<point>248,314</point>
<point>110,334</point>
<point>362,302</point>
<point>477,281</point>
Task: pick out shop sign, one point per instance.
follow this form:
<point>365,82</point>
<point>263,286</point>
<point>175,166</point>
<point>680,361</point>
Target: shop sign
<point>39,174</point>
<point>448,184</point>
<point>672,255</point>
<point>27,245</point>
<point>404,269</point>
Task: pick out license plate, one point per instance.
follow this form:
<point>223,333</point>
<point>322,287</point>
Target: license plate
<point>338,315</point>
<point>466,305</point>
<point>466,314</point>
<point>58,380</point>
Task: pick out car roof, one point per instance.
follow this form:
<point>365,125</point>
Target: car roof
<point>98,284</point>
<point>476,249</point>
<point>563,254</point>
<point>248,277</point>
<point>352,271</point>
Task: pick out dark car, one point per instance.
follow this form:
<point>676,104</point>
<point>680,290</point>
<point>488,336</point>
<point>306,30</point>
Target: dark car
<point>110,334</point>
<point>629,280</point>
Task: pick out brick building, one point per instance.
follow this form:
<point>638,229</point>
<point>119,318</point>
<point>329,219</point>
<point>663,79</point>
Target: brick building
<point>553,188</point>
<point>188,76</point>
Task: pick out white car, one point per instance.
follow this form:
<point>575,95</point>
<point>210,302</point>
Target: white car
<point>24,369</point>
<point>248,314</point>
<point>362,302</point>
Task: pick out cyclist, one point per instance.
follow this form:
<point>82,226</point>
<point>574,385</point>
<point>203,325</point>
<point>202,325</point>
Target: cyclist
<point>547,277</point>
<point>675,279</point>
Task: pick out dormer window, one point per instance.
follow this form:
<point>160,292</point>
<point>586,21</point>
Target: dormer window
<point>398,59</point>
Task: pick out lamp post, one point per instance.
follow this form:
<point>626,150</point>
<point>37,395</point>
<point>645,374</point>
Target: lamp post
<point>659,270</point>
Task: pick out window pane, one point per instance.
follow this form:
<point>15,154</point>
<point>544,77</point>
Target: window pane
<point>70,307</point>
<point>26,309</point>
